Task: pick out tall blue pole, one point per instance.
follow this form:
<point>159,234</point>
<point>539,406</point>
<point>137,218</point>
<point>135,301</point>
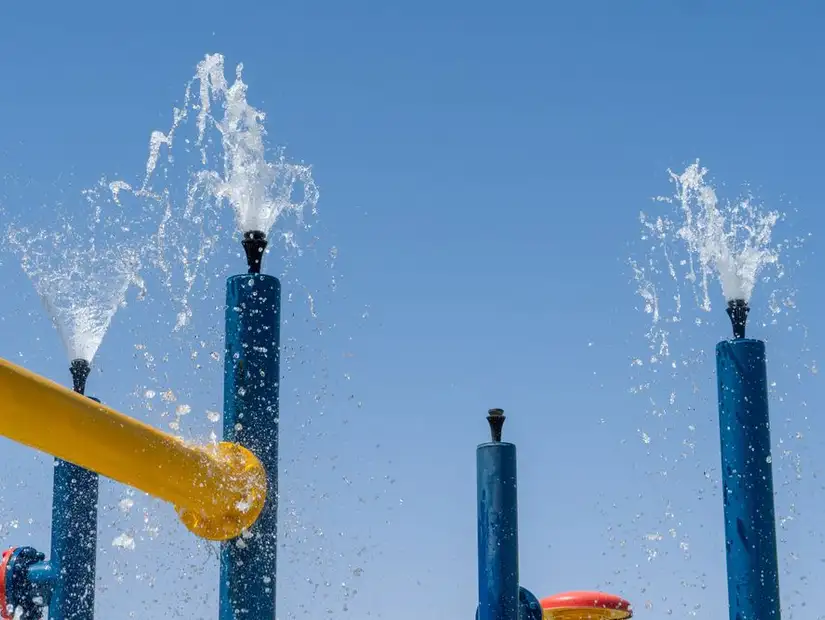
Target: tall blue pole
<point>251,382</point>
<point>74,531</point>
<point>498,580</point>
<point>747,480</point>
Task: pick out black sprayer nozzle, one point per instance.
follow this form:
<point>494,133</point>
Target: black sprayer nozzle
<point>496,418</point>
<point>254,244</point>
<point>80,370</point>
<point>738,312</point>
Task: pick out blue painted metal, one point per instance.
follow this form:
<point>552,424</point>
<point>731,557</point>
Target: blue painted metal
<point>747,479</point>
<point>251,383</point>
<point>74,541</point>
<point>529,607</point>
<point>21,594</point>
<point>498,582</point>
<point>42,576</point>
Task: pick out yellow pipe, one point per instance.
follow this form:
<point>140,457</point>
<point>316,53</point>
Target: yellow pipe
<point>217,490</point>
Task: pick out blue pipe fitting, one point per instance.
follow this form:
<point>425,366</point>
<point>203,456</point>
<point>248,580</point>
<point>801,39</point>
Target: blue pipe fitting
<point>747,480</point>
<point>250,418</point>
<point>20,594</point>
<point>529,607</point>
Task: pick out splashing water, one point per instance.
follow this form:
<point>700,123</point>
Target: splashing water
<point>700,249</point>
<point>81,279</point>
<point>731,242</point>
<point>217,140</point>
<point>259,191</point>
<point>703,242</point>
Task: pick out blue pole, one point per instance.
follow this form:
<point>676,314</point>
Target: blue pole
<point>498,580</point>
<point>74,542</point>
<point>251,381</point>
<point>74,531</point>
<point>747,480</point>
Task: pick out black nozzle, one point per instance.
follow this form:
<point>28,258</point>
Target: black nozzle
<point>254,243</point>
<point>738,312</point>
<point>80,370</point>
<point>496,417</point>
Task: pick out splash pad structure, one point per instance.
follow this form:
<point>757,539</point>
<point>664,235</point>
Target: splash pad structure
<point>729,244</point>
<point>500,595</point>
<point>747,473</point>
<point>228,491</point>
<point>225,492</point>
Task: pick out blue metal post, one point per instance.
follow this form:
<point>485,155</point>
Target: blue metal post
<point>747,480</point>
<point>74,531</point>
<point>251,382</point>
<point>498,580</point>
<point>74,542</point>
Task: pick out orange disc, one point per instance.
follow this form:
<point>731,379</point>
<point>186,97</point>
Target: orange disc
<point>585,606</point>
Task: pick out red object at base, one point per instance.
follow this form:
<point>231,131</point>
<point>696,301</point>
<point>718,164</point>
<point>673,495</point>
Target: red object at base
<point>585,605</point>
<point>4,564</point>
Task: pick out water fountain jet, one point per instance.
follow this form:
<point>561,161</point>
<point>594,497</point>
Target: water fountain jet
<point>728,243</point>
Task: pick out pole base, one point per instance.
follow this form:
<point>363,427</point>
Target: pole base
<point>228,521</point>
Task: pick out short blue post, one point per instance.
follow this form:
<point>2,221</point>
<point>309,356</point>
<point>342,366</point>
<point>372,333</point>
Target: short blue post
<point>498,579</point>
<point>74,531</point>
<point>251,382</point>
<point>747,480</point>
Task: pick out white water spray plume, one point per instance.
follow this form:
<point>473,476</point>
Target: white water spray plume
<point>81,277</point>
<point>729,242</point>
<point>258,190</point>
<point>699,244</point>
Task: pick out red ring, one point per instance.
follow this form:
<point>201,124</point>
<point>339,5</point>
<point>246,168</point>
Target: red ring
<point>4,563</point>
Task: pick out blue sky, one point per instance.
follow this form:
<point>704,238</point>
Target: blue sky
<point>481,172</point>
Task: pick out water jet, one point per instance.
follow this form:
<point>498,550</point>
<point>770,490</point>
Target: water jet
<point>728,243</point>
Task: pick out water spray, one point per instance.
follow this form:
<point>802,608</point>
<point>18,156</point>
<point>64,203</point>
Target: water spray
<point>708,242</point>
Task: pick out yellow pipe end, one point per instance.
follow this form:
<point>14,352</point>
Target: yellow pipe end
<point>239,506</point>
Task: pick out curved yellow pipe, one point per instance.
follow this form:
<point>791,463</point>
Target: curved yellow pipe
<point>217,490</point>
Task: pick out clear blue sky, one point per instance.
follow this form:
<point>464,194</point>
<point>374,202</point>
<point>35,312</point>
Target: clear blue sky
<point>481,171</point>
